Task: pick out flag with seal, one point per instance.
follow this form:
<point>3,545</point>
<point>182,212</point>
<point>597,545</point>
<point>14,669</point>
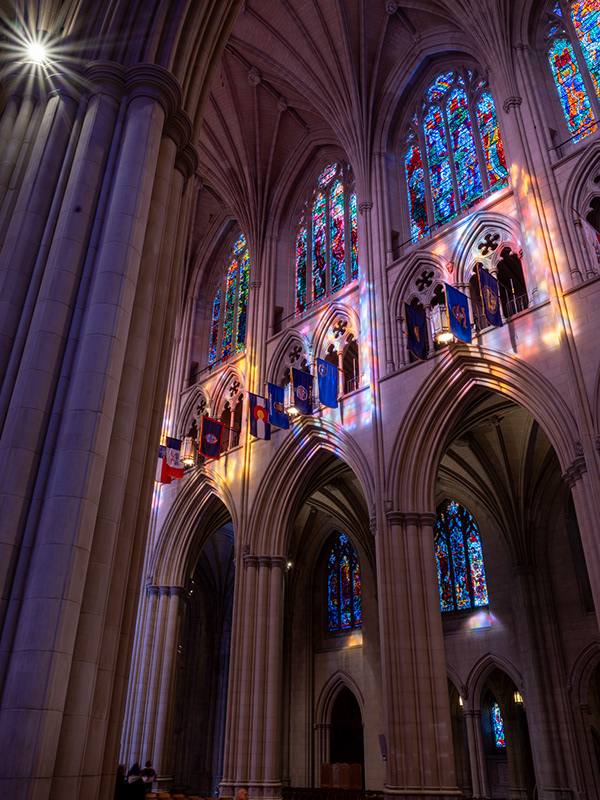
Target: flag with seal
<point>416,332</point>
<point>327,381</point>
<point>173,458</point>
<point>457,305</point>
<point>490,296</point>
<point>259,417</point>
<point>303,391</point>
<point>277,414</point>
<point>211,436</point>
<point>162,476</point>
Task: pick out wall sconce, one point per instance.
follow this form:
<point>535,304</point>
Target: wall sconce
<point>460,701</point>
<point>518,698</point>
<point>289,402</point>
<point>441,327</point>
<point>188,451</point>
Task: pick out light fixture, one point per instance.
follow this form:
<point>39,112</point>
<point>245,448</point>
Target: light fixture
<point>460,701</point>
<point>289,402</point>
<point>37,52</point>
<point>441,328</point>
<point>188,451</point>
<point>518,697</point>
<point>289,564</point>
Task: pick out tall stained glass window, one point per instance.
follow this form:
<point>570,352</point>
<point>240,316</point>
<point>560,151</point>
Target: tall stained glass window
<point>574,56</point>
<point>230,307</point>
<point>459,558</point>
<point>344,609</point>
<point>498,726</point>
<point>327,238</point>
<point>454,155</point>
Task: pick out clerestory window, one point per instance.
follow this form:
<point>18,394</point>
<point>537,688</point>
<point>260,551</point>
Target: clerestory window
<point>344,609</point>
<point>573,48</point>
<point>230,307</point>
<point>327,238</point>
<point>459,558</point>
<point>453,153</point>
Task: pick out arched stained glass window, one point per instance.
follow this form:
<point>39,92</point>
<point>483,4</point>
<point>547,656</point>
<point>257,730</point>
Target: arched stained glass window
<point>230,307</point>
<point>459,558</point>
<point>498,726</point>
<point>344,610</point>
<point>454,154</point>
<point>574,57</point>
<point>327,238</point>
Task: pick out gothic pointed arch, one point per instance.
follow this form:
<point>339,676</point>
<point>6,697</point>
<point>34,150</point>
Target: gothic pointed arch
<point>481,671</point>
<point>293,350</point>
<point>334,328</point>
<point>336,682</point>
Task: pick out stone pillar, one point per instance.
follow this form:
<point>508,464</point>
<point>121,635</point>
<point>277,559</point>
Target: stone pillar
<point>146,748</point>
<point>479,776</point>
<point>420,762</point>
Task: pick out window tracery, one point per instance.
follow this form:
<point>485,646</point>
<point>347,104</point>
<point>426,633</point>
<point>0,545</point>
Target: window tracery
<point>454,154</point>
<point>459,558</point>
<point>573,49</point>
<point>327,238</point>
<point>344,602</point>
<point>230,307</point>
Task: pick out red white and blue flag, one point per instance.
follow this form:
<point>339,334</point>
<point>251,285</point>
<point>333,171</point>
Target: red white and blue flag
<point>259,417</point>
<point>162,475</point>
<point>173,458</point>
<point>211,436</point>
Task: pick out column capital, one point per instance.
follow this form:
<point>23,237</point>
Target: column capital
<point>187,161</point>
<point>178,591</point>
<point>279,562</point>
<point>574,471</point>
<point>105,77</point>
<point>151,80</point>
<point>365,206</point>
<point>164,591</point>
<point>411,517</point>
<point>151,590</point>
<point>178,127</point>
<point>511,102</point>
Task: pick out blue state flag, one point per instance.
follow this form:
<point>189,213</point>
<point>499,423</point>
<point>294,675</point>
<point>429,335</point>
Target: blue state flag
<point>277,413</point>
<point>327,381</point>
<point>457,305</point>
<point>416,332</point>
<point>490,296</point>
<point>211,436</point>
<point>303,391</point>
<point>259,417</point>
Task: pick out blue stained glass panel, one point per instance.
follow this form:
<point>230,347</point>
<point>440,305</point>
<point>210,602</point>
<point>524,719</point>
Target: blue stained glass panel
<point>214,328</point>
<point>301,256</point>
<point>230,292</point>
<point>333,593</point>
<point>571,89</point>
<point>416,192</point>
<point>344,605</point>
<point>478,582</point>
<point>243,302</point>
<point>327,175</point>
<point>239,245</point>
<point>443,570</point>
<point>319,248</point>
<point>337,239</point>
<point>356,594</point>
<point>459,563</point>
<point>470,188</point>
<point>439,166</point>
<point>498,725</point>
<point>586,19</point>
<point>354,235</point>
<point>556,10</point>
<point>440,86</point>
<point>493,150</point>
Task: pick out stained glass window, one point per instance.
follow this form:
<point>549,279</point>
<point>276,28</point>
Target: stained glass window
<point>498,726</point>
<point>459,559</point>
<point>450,162</point>
<point>230,307</point>
<point>574,57</point>
<point>327,238</point>
<point>344,609</point>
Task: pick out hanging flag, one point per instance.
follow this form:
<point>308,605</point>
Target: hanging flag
<point>211,436</point>
<point>173,458</point>
<point>416,332</point>
<point>259,417</point>
<point>457,306</point>
<point>488,286</point>
<point>327,381</point>
<point>277,413</point>
<point>303,391</point>
<point>162,476</point>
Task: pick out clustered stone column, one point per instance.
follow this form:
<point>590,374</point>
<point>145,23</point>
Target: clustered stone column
<point>420,760</point>
<point>253,731</point>
<point>88,257</point>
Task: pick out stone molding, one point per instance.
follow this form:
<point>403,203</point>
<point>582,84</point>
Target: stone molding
<point>178,127</point>
<point>366,205</point>
<point>405,518</point>
<point>157,83</point>
<point>512,102</point>
<point>575,471</point>
<point>105,77</point>
<point>187,161</point>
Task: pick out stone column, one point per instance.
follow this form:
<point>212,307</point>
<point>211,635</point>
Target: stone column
<point>146,747</point>
<point>479,776</point>
<point>418,730</point>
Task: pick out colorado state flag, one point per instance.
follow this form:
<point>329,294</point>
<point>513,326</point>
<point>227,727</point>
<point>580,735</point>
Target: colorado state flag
<point>211,436</point>
<point>277,414</point>
<point>416,332</point>
<point>259,417</point>
<point>488,286</point>
<point>327,380</point>
<point>303,391</point>
<point>457,305</point>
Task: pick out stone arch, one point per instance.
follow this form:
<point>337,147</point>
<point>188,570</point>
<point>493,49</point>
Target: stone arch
<point>580,673</point>
<point>416,274</point>
<point>196,403</point>
<point>176,549</point>
<point>285,352</point>
<point>326,334</point>
<point>481,672</point>
<point>338,681</point>
<point>420,443</point>
<point>231,380</point>
<point>582,188</point>
<point>269,522</point>
<point>475,246</point>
